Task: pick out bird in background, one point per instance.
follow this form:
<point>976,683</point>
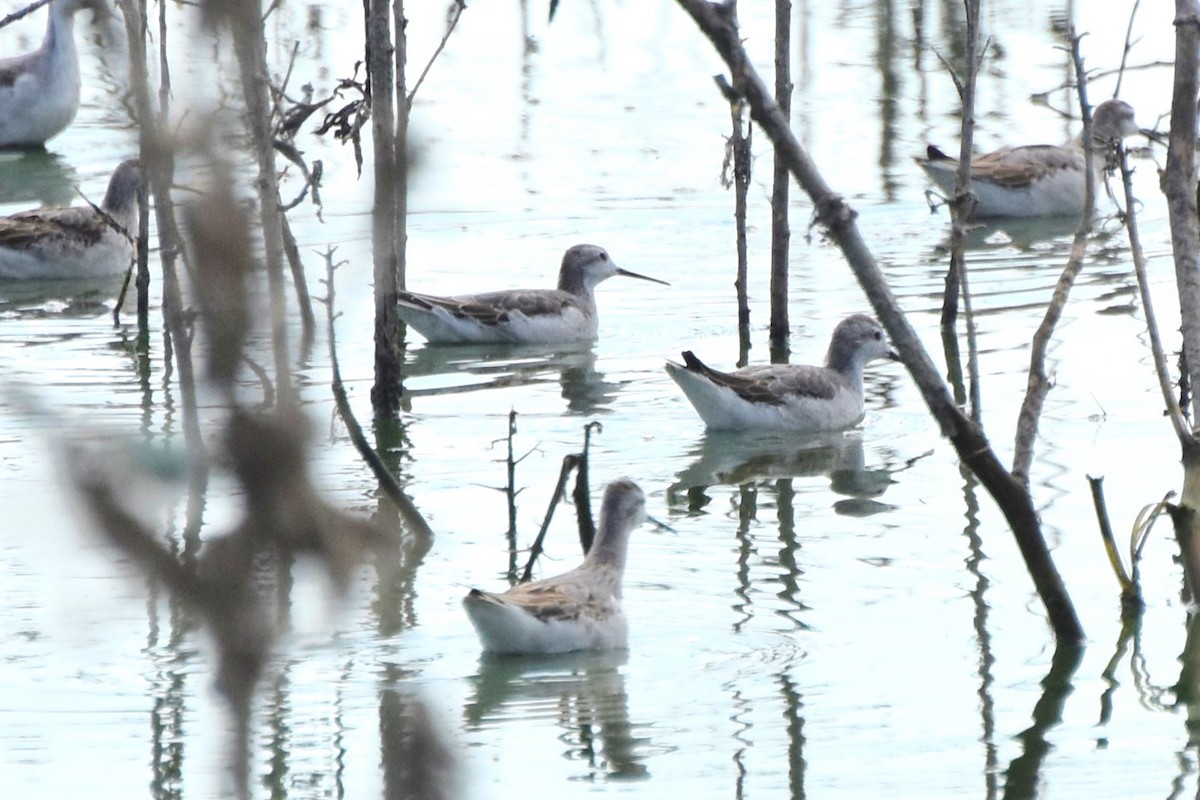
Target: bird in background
<point>76,241</point>
<point>578,610</point>
<point>1039,180</point>
<point>39,90</point>
<point>790,397</point>
<point>563,315</point>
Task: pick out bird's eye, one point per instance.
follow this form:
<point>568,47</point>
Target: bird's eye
<point>878,336</point>
<point>604,256</point>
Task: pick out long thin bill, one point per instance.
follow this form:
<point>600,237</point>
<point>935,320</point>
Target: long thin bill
<point>629,274</point>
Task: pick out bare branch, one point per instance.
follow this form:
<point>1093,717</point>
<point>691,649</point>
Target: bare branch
<point>1038,384</point>
<point>412,518</point>
<point>1128,46</point>
<point>452,21</point>
<point>22,13</point>
<point>837,218</point>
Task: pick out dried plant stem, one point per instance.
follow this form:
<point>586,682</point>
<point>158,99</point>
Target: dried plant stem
<point>404,101</point>
<point>22,13</point>
<point>457,9</point>
<point>737,174</point>
<point>385,237</point>
<point>837,218</point>
<point>1188,443</point>
<point>581,495</point>
<point>1180,186</point>
<point>510,496</point>
<point>1038,384</point>
<point>568,463</point>
<point>781,232</point>
<point>1131,598</point>
<point>962,205</point>
<point>1128,46</point>
<point>299,281</point>
<point>412,519</point>
<point>1162,368</point>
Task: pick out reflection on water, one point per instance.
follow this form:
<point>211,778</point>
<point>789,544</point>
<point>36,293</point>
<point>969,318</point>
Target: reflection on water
<point>737,459</point>
<point>1018,234</point>
<point>36,178</point>
<point>453,369</point>
<point>85,297</point>
<point>585,694</point>
<point>1025,777</point>
<point>758,667</point>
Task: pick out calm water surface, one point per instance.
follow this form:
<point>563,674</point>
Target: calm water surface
<point>845,617</point>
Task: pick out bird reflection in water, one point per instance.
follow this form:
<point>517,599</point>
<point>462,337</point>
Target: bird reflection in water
<point>29,177</point>
<point>585,692</point>
<point>1017,234</point>
<point>738,459</point>
<point>81,298</point>
<point>436,369</point>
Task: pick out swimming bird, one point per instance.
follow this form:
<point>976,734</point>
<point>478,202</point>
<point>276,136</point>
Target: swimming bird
<point>1040,180</point>
<point>39,90</point>
<point>521,316</point>
<point>78,241</point>
<point>788,396</point>
<point>578,610</point>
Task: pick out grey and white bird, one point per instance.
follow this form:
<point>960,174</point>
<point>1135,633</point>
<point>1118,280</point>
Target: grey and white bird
<point>39,90</point>
<point>1039,180</point>
<point>562,315</point>
<point>790,397</point>
<point>578,610</point>
<point>76,241</point>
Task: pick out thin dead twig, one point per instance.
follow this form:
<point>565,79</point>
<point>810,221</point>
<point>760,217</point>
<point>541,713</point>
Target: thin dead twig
<point>568,463</point>
<point>22,13</point>
<point>1038,384</point>
<point>455,13</point>
<point>412,518</point>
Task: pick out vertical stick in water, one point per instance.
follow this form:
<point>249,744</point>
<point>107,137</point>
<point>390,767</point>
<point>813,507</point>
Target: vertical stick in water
<point>385,394</point>
<point>781,232</point>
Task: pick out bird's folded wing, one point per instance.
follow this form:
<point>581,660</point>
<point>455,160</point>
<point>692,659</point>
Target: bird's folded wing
<point>530,302</point>
<point>493,308</point>
<point>794,381</point>
<point>80,224</point>
<point>769,383</point>
<point>484,314</point>
<point>747,388</point>
<point>17,235</point>
<point>548,600</point>
<point>1020,167</point>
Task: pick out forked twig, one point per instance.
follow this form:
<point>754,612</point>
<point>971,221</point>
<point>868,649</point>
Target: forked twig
<point>22,13</point>
<point>1038,383</point>
<point>412,518</point>
<point>568,463</point>
<point>451,22</point>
